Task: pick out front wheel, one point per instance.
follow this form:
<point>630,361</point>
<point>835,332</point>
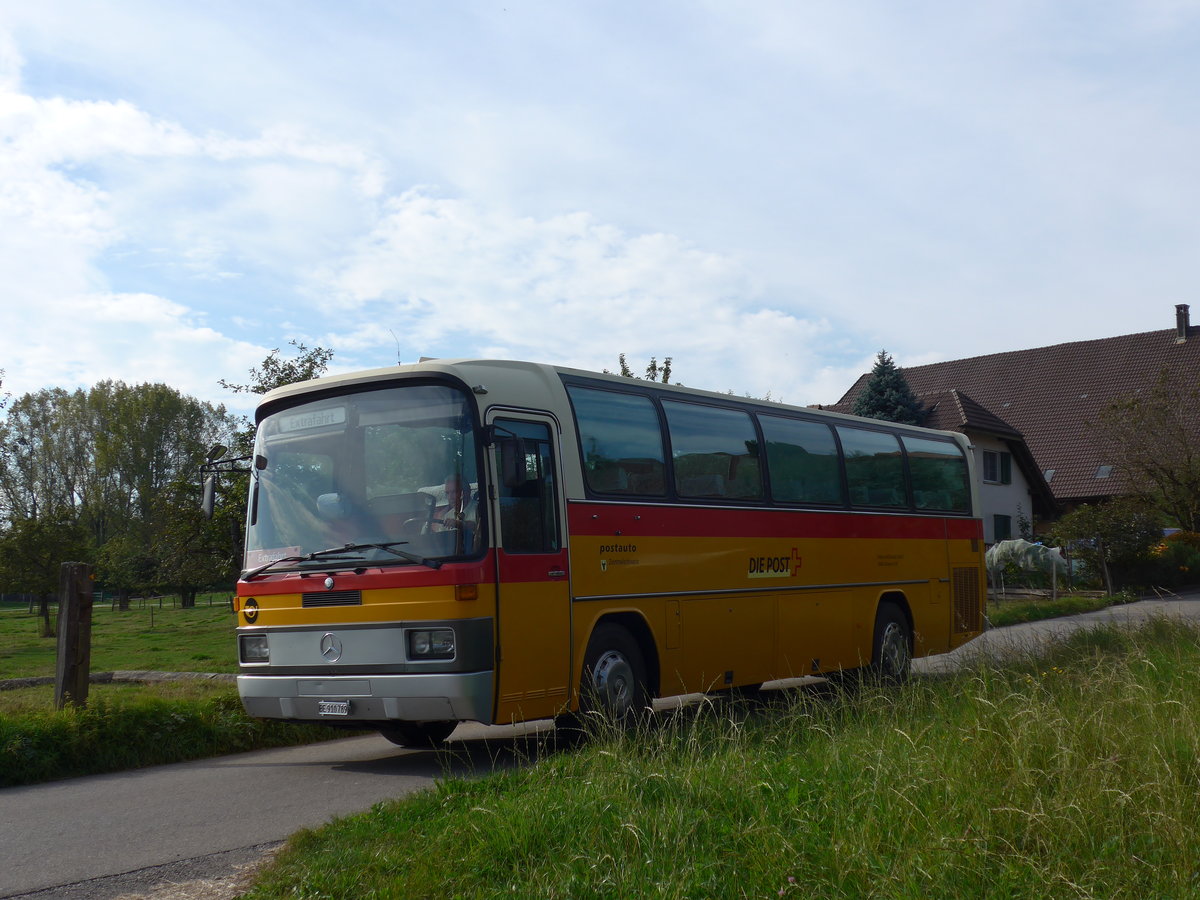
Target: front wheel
<point>891,656</point>
<point>418,735</point>
<point>614,675</point>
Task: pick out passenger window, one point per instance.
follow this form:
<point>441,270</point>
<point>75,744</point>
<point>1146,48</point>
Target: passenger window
<point>621,442</point>
<point>874,468</point>
<point>939,474</point>
<point>802,460</point>
<point>715,452</point>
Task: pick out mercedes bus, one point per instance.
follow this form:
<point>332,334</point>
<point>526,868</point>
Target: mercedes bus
<point>499,541</point>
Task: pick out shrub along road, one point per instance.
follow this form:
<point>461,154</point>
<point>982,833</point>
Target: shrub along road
<point>136,832</point>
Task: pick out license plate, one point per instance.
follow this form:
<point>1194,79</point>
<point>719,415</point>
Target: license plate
<point>333,707</point>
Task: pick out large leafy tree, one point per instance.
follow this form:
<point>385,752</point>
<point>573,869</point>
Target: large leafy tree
<point>31,552</point>
<point>887,396</point>
<point>98,463</point>
<point>1154,440</point>
<point>1114,539</point>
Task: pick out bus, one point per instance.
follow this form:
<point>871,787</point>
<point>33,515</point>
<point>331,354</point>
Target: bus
<point>501,541</point>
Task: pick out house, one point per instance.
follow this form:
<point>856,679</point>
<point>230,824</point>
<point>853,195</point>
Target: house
<point>1047,402</point>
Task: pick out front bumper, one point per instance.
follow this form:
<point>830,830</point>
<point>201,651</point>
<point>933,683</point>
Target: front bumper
<point>373,698</point>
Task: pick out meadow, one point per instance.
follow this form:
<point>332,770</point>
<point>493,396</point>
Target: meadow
<point>1073,773</point>
<point>148,636</point>
<point>128,725</point>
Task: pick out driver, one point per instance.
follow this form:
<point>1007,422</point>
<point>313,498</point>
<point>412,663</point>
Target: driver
<point>459,509</point>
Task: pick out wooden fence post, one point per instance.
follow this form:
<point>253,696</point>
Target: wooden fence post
<point>74,635</point>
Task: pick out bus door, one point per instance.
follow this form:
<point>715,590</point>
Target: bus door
<point>533,592</point>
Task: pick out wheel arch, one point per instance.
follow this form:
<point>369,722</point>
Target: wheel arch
<point>899,600</point>
<point>639,629</point>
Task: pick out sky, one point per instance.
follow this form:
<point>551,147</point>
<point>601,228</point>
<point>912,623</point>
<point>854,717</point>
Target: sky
<point>767,192</point>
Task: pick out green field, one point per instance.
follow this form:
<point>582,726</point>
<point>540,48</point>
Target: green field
<point>125,725</point>
<point>1074,773</point>
<point>146,637</point>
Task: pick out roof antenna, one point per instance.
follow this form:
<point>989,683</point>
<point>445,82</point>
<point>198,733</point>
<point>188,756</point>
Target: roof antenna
<point>397,340</point>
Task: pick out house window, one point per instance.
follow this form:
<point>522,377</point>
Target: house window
<point>997,467</point>
<point>1001,528</point>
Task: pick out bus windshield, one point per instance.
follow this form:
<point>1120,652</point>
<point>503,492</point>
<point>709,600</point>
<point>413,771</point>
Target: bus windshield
<point>395,466</point>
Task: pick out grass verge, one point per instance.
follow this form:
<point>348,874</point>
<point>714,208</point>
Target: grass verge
<point>130,726</point>
<point>1014,612</point>
<point>1075,773</point>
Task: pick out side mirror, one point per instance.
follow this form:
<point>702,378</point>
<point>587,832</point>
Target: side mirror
<point>208,497</point>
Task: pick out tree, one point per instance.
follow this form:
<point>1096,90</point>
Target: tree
<point>31,552</point>
<point>276,371</point>
<point>1154,441</point>
<point>654,371</point>
<point>98,463</point>
<point>192,552</point>
<point>1115,539</point>
<point>887,395</point>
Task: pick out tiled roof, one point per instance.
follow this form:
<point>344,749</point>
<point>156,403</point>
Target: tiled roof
<point>953,410</point>
<point>1054,395</point>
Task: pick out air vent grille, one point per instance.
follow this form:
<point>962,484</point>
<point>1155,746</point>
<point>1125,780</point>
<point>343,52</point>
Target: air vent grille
<point>968,600</point>
<point>331,598</point>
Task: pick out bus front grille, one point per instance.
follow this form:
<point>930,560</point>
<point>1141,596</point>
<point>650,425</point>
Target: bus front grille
<point>331,598</point>
<point>967,605</point>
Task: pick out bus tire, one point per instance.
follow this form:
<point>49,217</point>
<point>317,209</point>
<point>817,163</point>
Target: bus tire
<point>614,675</point>
<point>891,653</point>
<point>418,735</point>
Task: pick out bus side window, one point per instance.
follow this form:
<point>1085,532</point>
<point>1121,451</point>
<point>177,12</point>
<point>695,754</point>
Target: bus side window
<point>802,459</point>
<point>939,474</point>
<point>529,509</point>
<point>874,467</point>
<point>621,440</point>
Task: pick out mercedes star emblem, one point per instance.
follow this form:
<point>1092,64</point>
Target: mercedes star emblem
<point>331,647</point>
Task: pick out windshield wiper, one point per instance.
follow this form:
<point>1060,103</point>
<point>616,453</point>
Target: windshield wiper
<point>336,554</point>
<point>390,547</point>
<point>329,555</point>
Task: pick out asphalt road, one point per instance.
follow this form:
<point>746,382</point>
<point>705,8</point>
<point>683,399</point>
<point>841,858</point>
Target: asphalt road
<point>138,833</point>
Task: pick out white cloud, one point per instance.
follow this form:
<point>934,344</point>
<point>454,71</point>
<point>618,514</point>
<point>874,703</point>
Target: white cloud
<point>89,189</point>
<point>449,278</point>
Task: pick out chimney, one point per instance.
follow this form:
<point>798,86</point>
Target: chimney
<point>1182,323</point>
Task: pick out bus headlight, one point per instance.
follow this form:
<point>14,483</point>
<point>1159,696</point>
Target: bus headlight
<point>253,648</point>
<point>433,643</point>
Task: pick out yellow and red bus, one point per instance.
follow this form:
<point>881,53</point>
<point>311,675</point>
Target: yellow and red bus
<point>498,541</point>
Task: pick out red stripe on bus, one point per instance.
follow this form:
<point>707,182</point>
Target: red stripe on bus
<point>648,520</point>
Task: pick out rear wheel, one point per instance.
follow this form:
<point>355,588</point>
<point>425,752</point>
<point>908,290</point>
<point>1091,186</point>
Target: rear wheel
<point>891,656</point>
<point>420,735</point>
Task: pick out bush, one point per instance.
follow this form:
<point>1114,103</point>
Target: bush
<point>1177,560</point>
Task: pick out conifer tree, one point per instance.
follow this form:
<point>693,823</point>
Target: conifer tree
<point>887,395</point>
